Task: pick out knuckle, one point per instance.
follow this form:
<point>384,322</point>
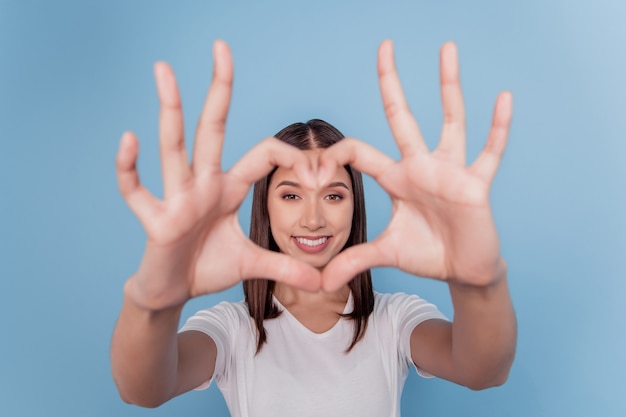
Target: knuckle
<point>393,109</point>
<point>214,125</point>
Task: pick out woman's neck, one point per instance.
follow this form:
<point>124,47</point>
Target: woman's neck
<point>319,312</point>
<point>289,296</point>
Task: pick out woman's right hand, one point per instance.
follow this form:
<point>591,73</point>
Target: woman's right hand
<point>195,244</point>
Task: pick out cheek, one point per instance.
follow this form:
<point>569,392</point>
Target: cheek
<point>280,220</point>
<point>343,217</point>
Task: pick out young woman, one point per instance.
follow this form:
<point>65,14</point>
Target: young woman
<point>311,337</point>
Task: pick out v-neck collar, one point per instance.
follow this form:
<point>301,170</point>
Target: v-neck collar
<point>289,316</point>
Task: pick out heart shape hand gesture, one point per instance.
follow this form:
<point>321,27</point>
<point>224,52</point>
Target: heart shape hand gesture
<point>441,225</point>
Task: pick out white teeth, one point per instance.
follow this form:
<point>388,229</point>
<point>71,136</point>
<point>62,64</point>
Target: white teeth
<point>312,243</point>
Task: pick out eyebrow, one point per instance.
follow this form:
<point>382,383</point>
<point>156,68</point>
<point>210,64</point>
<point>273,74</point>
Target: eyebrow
<point>295,184</point>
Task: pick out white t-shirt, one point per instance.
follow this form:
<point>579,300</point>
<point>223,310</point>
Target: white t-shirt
<point>301,373</point>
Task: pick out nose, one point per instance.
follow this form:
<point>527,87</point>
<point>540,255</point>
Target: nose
<point>312,217</point>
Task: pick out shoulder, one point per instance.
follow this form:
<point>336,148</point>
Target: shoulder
<point>401,306</point>
<point>225,316</point>
<point>398,300</point>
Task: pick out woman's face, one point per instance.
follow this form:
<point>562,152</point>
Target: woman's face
<point>310,225</point>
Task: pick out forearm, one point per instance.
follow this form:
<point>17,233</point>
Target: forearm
<point>484,332</point>
<point>144,353</point>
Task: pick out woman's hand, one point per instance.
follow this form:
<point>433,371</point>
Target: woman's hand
<point>441,225</point>
<point>195,244</point>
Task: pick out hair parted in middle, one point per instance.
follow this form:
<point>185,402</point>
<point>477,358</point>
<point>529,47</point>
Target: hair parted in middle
<point>314,134</point>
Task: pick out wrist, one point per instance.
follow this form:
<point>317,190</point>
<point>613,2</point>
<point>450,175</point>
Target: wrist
<point>486,279</point>
<point>496,288</point>
<point>152,300</point>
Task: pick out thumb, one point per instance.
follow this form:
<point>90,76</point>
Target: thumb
<point>345,266</point>
<point>262,263</point>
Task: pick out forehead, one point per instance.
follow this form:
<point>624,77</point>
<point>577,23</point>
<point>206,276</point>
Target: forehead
<point>287,174</point>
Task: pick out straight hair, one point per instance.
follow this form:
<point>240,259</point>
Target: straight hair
<point>314,134</point>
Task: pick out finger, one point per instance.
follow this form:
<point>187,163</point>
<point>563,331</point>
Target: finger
<point>486,165</point>
<point>403,126</point>
<point>140,201</point>
<point>346,265</point>
<point>207,152</point>
<point>452,142</point>
<point>264,157</point>
<point>279,267</point>
<point>174,162</point>
<point>359,155</point>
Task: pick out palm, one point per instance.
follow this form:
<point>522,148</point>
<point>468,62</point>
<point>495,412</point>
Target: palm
<point>200,222</point>
<point>441,225</point>
<point>195,244</point>
<point>434,211</point>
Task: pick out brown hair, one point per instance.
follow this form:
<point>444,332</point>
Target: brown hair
<point>314,134</point>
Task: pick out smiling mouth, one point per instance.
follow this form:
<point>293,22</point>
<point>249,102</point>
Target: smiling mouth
<point>312,245</point>
<point>312,242</point>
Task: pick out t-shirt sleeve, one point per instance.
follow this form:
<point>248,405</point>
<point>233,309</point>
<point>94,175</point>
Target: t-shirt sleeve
<point>410,311</point>
<point>220,323</point>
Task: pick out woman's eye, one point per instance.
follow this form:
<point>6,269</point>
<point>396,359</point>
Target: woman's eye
<point>334,197</point>
<point>290,197</point>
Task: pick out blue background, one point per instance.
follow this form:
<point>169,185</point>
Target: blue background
<point>75,74</point>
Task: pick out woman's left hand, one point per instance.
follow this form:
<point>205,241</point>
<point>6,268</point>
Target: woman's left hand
<point>441,225</point>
